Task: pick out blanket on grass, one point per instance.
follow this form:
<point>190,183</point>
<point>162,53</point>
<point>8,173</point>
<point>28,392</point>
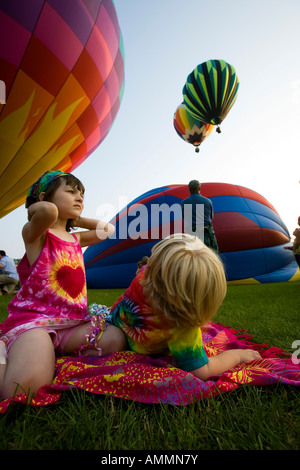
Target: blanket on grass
<point>147,379</point>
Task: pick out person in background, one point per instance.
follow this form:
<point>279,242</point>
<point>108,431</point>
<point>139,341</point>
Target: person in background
<point>9,278</point>
<point>197,213</point>
<point>142,263</point>
<point>296,244</point>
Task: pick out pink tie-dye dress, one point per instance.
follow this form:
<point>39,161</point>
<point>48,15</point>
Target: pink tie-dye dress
<point>53,292</point>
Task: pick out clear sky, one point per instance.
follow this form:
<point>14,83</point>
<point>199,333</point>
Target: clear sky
<point>258,148</point>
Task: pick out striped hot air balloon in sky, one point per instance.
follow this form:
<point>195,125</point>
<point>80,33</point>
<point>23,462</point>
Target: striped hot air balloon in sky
<point>250,233</point>
<point>62,63</point>
<point>190,129</point>
<point>210,91</point>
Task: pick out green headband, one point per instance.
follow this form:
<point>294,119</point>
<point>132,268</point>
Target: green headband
<point>41,185</point>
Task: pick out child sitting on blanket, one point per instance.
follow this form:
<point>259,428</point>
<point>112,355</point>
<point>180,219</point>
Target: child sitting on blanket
<point>49,313</point>
<point>180,289</point>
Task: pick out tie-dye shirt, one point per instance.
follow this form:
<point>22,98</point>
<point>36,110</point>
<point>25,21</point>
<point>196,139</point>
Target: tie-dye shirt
<point>150,333</point>
<point>53,292</point>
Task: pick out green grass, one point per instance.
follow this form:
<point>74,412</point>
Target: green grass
<point>248,418</point>
<point>270,312</point>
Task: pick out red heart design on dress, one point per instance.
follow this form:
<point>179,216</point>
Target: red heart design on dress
<point>71,280</point>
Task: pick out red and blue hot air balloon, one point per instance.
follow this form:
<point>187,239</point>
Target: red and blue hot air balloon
<point>250,233</point>
<point>62,66</point>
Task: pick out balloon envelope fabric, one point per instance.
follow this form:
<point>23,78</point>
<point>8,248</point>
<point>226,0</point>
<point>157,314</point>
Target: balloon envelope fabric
<point>211,90</point>
<point>190,129</point>
<point>62,63</point>
<point>146,379</point>
<point>250,233</point>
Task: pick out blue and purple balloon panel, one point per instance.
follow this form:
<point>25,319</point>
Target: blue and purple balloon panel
<point>250,233</point>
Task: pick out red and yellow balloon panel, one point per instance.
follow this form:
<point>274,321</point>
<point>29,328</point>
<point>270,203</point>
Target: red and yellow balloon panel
<point>62,64</point>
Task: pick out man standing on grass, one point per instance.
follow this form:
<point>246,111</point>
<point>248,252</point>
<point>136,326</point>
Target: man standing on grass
<point>197,212</point>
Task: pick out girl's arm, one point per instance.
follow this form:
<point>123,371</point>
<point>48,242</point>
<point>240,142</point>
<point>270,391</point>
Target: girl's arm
<point>227,360</point>
<point>95,232</point>
<point>41,215</point>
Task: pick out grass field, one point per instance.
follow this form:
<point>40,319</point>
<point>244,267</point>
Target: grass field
<point>248,418</point>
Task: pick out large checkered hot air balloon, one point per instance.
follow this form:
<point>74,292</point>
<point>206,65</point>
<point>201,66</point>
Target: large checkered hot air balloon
<point>210,91</point>
<point>62,65</point>
<point>250,234</point>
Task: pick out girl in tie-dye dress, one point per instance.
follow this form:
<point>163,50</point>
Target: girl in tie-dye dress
<point>179,290</point>
<point>49,313</point>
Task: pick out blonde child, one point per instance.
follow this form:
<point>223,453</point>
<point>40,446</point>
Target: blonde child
<point>179,290</point>
<point>49,313</point>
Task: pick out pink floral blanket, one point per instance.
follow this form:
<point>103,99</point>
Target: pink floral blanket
<point>133,376</point>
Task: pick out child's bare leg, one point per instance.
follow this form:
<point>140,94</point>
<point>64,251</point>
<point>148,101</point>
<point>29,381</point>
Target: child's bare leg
<point>30,364</point>
<point>112,340</point>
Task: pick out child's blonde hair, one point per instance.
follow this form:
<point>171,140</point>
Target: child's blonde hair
<point>184,280</point>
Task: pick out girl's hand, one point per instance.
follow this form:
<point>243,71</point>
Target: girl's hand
<point>104,230</point>
<point>96,230</point>
<point>76,223</point>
